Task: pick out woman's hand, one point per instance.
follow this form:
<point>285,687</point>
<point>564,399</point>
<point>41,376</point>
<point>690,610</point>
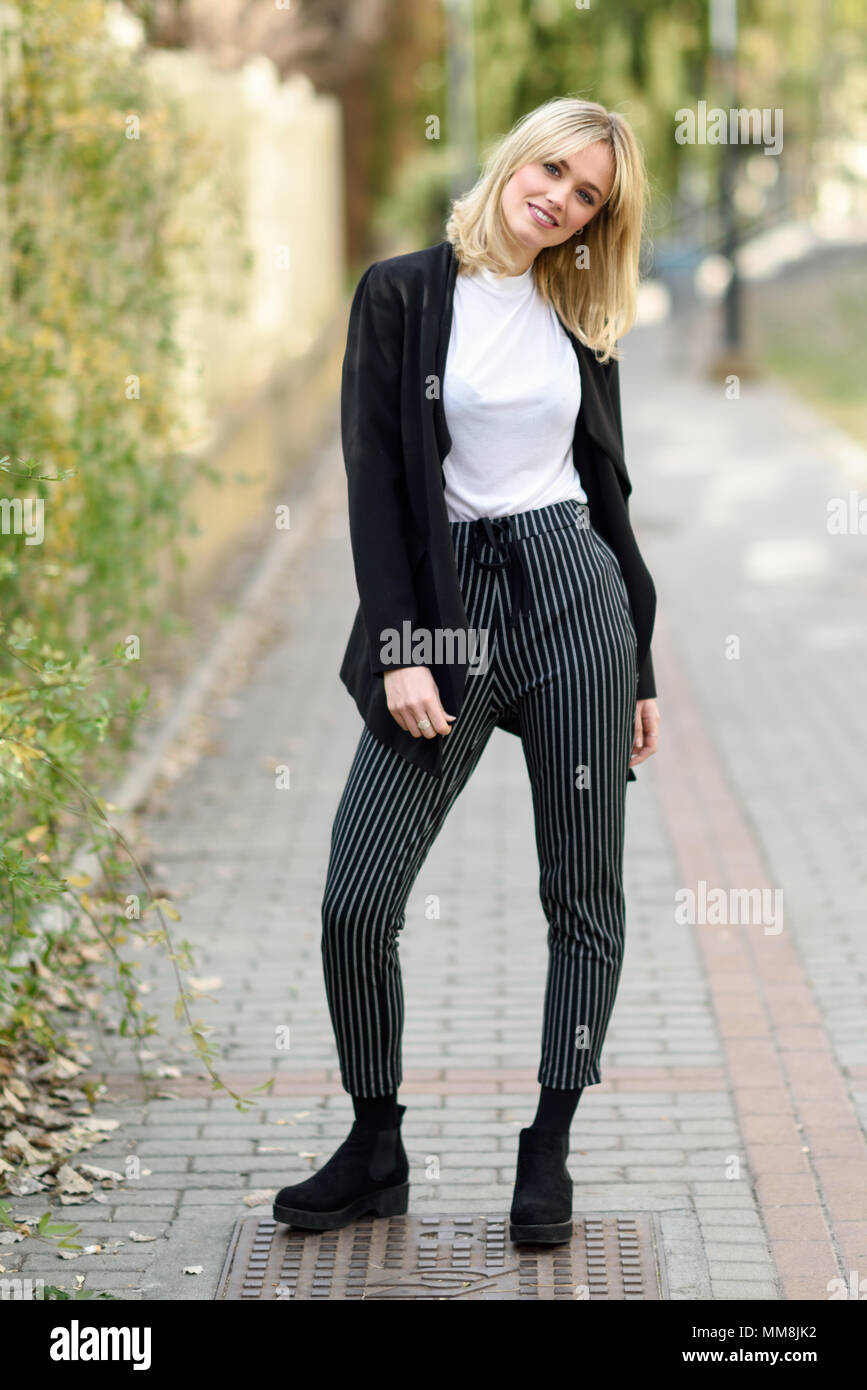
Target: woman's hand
<point>412,696</point>
<point>646,730</point>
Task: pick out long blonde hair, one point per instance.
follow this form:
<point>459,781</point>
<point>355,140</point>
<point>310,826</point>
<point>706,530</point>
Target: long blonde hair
<point>597,303</point>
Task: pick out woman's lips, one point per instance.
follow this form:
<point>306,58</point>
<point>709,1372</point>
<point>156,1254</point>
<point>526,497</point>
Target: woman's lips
<point>539,217</point>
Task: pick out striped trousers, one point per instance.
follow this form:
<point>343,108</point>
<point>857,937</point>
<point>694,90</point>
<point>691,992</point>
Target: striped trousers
<point>560,655</point>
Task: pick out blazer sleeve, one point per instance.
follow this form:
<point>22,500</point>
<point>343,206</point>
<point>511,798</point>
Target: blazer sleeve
<point>370,425</point>
<point>646,680</point>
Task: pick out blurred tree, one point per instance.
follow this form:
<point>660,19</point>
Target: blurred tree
<point>367,53</point>
<point>384,60</point>
<point>167,23</point>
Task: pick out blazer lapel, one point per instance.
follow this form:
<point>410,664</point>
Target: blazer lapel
<point>596,407</point>
<point>444,439</point>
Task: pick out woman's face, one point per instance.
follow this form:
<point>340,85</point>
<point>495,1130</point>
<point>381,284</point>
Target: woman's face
<point>545,203</point>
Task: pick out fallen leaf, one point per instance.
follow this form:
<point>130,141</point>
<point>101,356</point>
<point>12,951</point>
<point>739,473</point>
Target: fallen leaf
<point>136,1235</point>
<point>212,982</point>
<point>194,1269</point>
<point>24,1185</point>
<point>71,1093</point>
<point>101,1174</point>
<point>43,1141</point>
<point>17,1144</point>
<point>48,1116</point>
<point>77,1138</point>
<point>70,1181</point>
<point>62,1068</point>
<point>259,1197</point>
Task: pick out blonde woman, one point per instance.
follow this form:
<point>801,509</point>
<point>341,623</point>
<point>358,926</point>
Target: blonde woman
<point>500,586</point>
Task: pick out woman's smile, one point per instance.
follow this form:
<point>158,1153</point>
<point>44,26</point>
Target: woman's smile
<point>545,219</point>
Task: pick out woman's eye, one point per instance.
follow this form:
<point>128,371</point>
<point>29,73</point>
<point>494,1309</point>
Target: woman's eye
<point>582,193</point>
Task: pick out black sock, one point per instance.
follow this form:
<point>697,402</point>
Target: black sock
<point>555,1110</point>
<point>380,1112</point>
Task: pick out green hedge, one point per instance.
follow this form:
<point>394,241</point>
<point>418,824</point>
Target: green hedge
<point>95,164</point>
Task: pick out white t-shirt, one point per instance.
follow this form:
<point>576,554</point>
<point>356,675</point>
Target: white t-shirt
<point>511,395</point>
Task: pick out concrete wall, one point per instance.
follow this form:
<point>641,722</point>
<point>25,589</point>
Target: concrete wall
<point>262,348</point>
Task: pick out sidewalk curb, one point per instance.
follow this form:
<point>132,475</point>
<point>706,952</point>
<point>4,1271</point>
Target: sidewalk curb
<point>283,551</point>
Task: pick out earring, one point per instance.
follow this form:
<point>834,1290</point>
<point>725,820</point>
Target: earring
<point>579,231</point>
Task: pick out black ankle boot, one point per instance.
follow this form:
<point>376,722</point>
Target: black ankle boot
<point>369,1172</point>
<point>542,1202</point>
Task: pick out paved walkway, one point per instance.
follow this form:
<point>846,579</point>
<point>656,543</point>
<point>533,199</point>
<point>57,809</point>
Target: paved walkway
<point>736,1062</point>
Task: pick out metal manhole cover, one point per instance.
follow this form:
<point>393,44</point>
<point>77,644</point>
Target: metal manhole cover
<point>611,1256</point>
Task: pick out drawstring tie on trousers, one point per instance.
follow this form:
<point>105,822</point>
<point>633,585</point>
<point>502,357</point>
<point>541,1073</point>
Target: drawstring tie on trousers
<point>498,534</point>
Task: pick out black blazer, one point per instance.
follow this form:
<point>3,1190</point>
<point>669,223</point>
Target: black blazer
<point>394,436</point>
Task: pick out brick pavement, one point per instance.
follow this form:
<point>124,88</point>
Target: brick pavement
<point>736,1061</point>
